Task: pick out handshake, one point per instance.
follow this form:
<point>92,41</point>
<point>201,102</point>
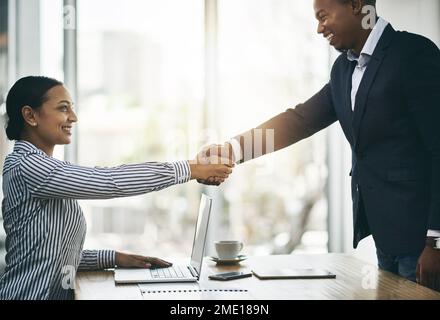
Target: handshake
<point>213,164</point>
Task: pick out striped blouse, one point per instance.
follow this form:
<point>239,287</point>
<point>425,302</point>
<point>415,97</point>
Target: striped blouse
<point>45,227</point>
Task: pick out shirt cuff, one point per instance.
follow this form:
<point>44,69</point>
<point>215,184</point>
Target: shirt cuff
<point>236,150</point>
<point>433,233</point>
<point>182,171</point>
<point>106,259</point>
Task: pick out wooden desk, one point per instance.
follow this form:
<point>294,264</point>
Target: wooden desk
<point>350,283</point>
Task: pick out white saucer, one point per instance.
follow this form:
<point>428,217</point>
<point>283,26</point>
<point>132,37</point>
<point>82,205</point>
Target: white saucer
<point>236,260</point>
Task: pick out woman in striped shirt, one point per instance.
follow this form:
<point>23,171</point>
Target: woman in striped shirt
<point>45,227</point>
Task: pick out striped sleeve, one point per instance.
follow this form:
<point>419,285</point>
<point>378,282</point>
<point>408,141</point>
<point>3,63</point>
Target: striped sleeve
<point>47,177</point>
<point>97,260</point>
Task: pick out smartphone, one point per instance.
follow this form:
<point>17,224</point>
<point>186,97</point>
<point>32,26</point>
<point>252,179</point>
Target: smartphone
<point>230,275</point>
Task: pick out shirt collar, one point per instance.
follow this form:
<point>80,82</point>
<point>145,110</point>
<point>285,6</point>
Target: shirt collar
<point>25,146</point>
<point>370,45</point>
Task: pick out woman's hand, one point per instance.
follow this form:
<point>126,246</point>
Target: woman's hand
<point>210,173</point>
<point>127,260</point>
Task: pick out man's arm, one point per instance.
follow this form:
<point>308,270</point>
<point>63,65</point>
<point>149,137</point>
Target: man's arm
<point>286,128</point>
<point>422,90</point>
<point>279,132</point>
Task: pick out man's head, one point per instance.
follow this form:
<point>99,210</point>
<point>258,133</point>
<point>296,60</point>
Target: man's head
<point>340,21</point>
<point>366,2</point>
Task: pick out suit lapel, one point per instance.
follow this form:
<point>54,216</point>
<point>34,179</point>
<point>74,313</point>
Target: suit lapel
<point>368,79</point>
<point>348,111</point>
<point>348,85</point>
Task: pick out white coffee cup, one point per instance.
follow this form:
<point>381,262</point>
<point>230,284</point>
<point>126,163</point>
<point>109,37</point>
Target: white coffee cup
<point>228,249</point>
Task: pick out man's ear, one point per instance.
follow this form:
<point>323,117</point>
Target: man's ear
<point>357,6</point>
<point>29,116</point>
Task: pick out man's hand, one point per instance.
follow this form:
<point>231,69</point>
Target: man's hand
<point>216,154</point>
<point>428,267</point>
<point>209,159</point>
<point>127,260</point>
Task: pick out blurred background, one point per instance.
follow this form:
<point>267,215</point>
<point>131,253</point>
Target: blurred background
<point>156,80</point>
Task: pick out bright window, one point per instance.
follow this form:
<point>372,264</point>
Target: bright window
<point>141,67</point>
<point>271,58</point>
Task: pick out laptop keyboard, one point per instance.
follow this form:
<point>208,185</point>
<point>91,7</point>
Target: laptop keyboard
<point>164,273</point>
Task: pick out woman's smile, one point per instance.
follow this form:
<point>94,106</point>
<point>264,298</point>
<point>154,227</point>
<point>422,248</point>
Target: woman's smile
<point>67,129</point>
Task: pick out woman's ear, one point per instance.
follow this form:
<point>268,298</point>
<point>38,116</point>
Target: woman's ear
<point>29,116</point>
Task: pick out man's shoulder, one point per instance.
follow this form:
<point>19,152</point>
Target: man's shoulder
<point>412,42</point>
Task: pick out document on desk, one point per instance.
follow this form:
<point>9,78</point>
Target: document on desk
<point>292,273</point>
<point>193,291</point>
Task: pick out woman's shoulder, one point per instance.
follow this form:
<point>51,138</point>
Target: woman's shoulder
<point>24,147</point>
<point>12,160</point>
<point>21,151</point>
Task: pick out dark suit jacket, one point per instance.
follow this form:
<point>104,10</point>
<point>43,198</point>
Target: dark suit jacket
<point>394,134</point>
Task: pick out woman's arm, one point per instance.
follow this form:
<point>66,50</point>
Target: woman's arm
<point>47,177</point>
<point>97,260</point>
<point>105,259</point>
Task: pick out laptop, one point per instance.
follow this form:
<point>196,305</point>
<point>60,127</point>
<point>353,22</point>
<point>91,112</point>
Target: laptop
<point>175,273</point>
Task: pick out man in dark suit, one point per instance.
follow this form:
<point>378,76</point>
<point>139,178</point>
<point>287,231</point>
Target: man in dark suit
<point>385,92</point>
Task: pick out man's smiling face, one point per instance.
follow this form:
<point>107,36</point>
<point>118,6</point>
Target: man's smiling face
<point>337,22</point>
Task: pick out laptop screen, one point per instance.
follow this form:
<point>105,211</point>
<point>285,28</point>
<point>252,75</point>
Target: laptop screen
<point>200,233</point>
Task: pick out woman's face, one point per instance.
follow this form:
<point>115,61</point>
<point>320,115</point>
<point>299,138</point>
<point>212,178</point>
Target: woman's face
<point>55,118</point>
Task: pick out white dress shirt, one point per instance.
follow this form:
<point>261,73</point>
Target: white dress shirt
<point>364,57</point>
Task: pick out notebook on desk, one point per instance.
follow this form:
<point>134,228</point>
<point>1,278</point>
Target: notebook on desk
<point>292,273</point>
